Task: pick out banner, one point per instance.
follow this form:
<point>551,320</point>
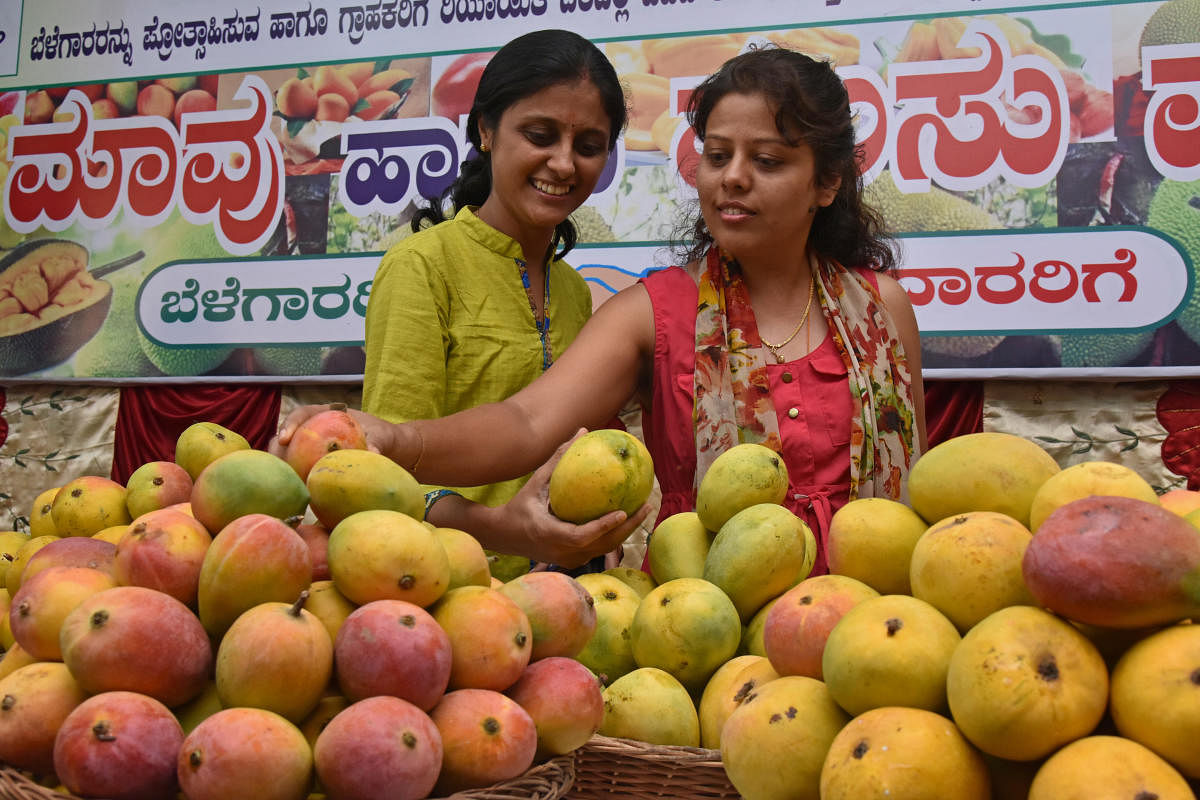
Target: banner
<point>205,195</point>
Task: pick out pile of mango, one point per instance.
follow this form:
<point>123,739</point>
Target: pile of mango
<point>1016,630</point>
<point>232,623</point>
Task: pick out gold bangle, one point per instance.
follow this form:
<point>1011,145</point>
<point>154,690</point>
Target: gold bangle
<point>420,450</point>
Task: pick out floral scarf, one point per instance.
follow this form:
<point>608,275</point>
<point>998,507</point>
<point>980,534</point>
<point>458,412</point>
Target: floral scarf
<point>732,392</point>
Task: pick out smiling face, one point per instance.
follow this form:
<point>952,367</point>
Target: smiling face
<point>547,153</point>
<point>756,189</point>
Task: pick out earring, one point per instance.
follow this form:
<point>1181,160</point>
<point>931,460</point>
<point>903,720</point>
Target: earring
<point>483,148</point>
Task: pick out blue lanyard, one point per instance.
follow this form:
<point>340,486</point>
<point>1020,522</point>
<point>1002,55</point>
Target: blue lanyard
<point>543,324</point>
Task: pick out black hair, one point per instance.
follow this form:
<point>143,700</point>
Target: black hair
<point>811,106</point>
<point>524,67</point>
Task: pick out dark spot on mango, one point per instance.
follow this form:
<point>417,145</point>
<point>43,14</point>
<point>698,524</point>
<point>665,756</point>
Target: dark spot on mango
<point>99,618</point>
<point>791,712</point>
<point>1195,677</point>
<point>775,718</point>
<point>23,609</point>
<point>860,749</point>
<point>77,493</point>
<point>1047,669</point>
<point>410,741</point>
<point>610,595</point>
<point>157,481</point>
<point>743,691</point>
<point>406,582</point>
<point>491,726</point>
<point>102,730</point>
<point>8,702</point>
<point>195,758</point>
<point>520,639</point>
<point>408,620</point>
<point>894,625</point>
<point>1146,796</point>
<point>664,601</point>
<point>806,600</point>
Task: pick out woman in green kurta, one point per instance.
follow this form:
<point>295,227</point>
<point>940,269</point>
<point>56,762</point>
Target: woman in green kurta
<point>471,309</point>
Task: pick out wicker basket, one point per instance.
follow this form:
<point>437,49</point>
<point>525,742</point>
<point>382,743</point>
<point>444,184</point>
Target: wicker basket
<point>606,767</point>
<point>548,781</point>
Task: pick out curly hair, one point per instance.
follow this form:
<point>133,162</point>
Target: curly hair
<point>811,107</point>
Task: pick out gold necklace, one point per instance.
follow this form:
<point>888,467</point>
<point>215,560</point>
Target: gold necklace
<point>774,348</point>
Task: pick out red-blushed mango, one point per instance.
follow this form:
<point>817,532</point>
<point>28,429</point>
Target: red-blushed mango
<point>490,638</point>
<point>743,476</point>
<point>1117,562</point>
<point>202,443</point>
<point>891,650</point>
<point>468,560</point>
<point>759,553</point>
<point>609,653</point>
<point>329,605</point>
<point>34,701</point>
<point>1085,479</point>
<point>564,698</point>
<point>988,471</point>
<point>73,551</point>
<point>798,625</point>
<point>88,504</point>
<point>650,705</point>
<point>192,101</point>
<point>871,539</point>
<point>1180,501</point>
<point>41,519</point>
<point>396,648</point>
<point>379,747</point>
<point>387,555</point>
<point>774,743</point>
<point>1154,695</point>
<point>248,753</point>
<point>255,559</point>
<point>732,683</point>
<point>969,565</point>
<point>1024,682</point>
<point>155,485</point>
<point>43,603</point>
<point>601,471</point>
<point>321,434</point>
<point>687,627</point>
<point>163,550</point>
<point>902,752</point>
<point>275,656</point>
<point>316,536</point>
<point>120,745</point>
<point>135,639</point>
<point>345,482</point>
<point>247,482</point>
<point>486,738</point>
<point>1107,766</point>
<point>561,613</point>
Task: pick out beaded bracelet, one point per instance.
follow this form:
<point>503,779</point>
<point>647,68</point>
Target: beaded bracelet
<point>434,496</point>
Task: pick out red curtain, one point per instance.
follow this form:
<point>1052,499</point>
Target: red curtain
<point>952,408</point>
<point>150,419</point>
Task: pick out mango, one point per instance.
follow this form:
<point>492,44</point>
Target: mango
<point>43,602</point>
<point>223,757</point>
<point>34,701</point>
<point>247,482</point>
<point>328,79</point>
<point>891,650</point>
<point>774,743</point>
<point>678,547</point>
<point>199,708</point>
<point>565,701</point>
<point>379,747</point>
<point>163,550</point>
<point>1153,699</point>
<point>320,435</point>
<point>758,554</point>
<point>650,705</point>
<point>486,738</point>
<point>16,568</point>
<point>1023,682</point>
<point>1115,561</point>
<point>14,658</point>
<point>88,504</point>
<point>387,79</point>
<point>41,519</point>
<point>201,443</point>
<point>871,539</point>
<point>601,471</point>
<point>275,656</point>
<point>255,559</point>
<point>135,639</point>
<point>609,652</point>
<point>10,542</point>
<point>752,631</point>
<point>297,100</point>
<point>969,565</point>
<point>490,637</point>
<point>687,627</point>
<point>640,581</point>
<point>155,485</point>
<point>73,551</point>
<point>732,683</point>
<point>468,561</point>
<point>118,744</point>
<point>1107,766</point>
<point>1083,480</point>
<point>902,752</point>
<point>316,536</point>
<point>396,648</point>
<point>743,476</point>
<point>386,555</point>
<point>561,613</point>
<point>988,471</point>
<point>344,482</point>
<point>328,605</point>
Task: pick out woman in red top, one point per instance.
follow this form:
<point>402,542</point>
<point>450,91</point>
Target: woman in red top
<point>783,328</point>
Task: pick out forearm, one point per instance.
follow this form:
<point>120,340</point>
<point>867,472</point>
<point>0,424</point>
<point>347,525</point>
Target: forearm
<point>482,522</point>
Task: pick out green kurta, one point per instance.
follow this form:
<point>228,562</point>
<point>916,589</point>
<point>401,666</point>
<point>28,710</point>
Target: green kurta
<point>449,326</point>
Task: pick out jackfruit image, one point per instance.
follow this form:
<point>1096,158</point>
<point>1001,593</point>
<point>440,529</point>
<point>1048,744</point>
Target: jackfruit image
<point>591,226</point>
<point>1104,349</point>
<point>114,352</point>
<point>1175,22</point>
<point>288,360</point>
<point>183,361</point>
<point>935,210</point>
<point>1175,211</point>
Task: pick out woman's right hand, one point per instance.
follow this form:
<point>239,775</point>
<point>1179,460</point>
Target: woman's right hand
<point>381,434</point>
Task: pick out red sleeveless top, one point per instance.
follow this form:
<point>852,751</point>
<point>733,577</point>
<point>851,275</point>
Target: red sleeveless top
<point>812,403</point>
